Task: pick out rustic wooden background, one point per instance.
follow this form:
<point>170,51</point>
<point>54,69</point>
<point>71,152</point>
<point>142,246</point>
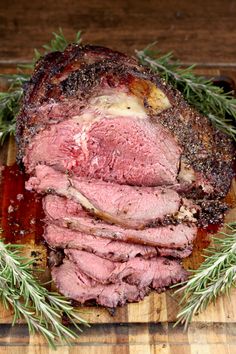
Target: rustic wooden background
<point>201,32</point>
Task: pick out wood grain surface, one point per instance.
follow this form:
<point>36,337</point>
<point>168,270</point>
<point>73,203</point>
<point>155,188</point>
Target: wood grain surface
<point>152,338</point>
<point>200,32</point>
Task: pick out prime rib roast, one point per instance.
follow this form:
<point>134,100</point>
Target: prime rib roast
<point>127,169</point>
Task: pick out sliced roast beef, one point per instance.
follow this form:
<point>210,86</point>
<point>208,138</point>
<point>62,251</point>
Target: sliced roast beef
<point>76,285</point>
<point>112,143</point>
<point>106,248</point>
<point>67,213</point>
<point>128,127</point>
<point>175,252</point>
<point>60,237</point>
<point>156,273</point>
<point>128,206</point>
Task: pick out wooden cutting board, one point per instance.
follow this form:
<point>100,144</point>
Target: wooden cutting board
<point>144,327</point>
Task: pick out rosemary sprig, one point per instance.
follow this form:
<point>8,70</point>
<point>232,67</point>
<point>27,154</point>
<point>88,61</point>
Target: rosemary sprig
<point>207,98</point>
<point>215,276</point>
<point>42,309</point>
<point>9,105</point>
<point>10,100</point>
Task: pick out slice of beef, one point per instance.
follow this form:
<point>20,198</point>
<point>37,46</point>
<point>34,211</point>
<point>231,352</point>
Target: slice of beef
<point>129,206</point>
<point>67,213</point>
<point>119,122</point>
<point>58,237</point>
<point>157,273</point>
<point>96,268</point>
<point>74,284</point>
<point>175,252</point>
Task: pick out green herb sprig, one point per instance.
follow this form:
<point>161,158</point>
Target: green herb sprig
<point>22,292</point>
<point>10,100</point>
<point>215,276</point>
<point>9,105</point>
<point>207,98</point>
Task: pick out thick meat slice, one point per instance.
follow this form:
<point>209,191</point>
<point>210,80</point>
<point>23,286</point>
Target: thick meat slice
<point>74,284</point>
<point>128,206</point>
<point>58,237</point>
<point>144,110</point>
<point>67,213</point>
<point>94,149</point>
<point>157,273</point>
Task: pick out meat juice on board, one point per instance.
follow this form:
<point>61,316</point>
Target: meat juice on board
<point>21,210</point>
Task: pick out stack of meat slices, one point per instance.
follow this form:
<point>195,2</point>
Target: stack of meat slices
<point>126,169</point>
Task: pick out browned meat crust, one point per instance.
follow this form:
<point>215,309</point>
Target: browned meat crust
<point>77,73</point>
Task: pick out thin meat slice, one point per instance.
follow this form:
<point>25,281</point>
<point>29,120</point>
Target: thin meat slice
<point>74,284</point>
<point>128,206</point>
<point>157,273</point>
<point>97,268</point>
<point>60,237</point>
<point>174,253</point>
<point>67,213</point>
<point>106,248</point>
